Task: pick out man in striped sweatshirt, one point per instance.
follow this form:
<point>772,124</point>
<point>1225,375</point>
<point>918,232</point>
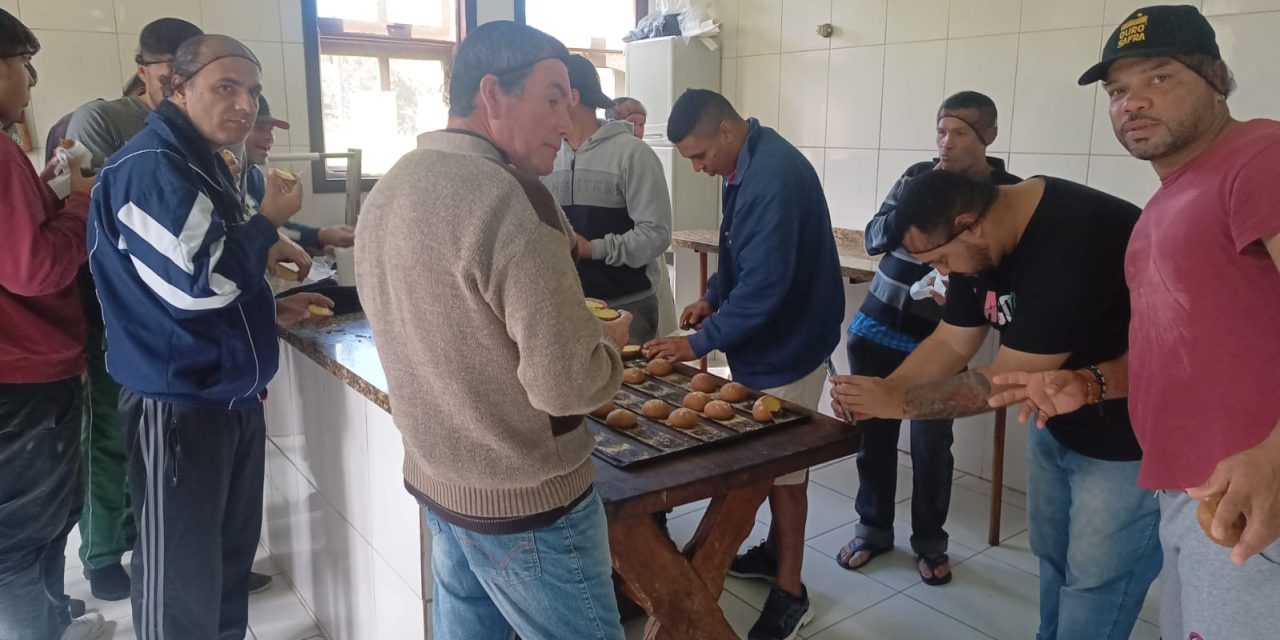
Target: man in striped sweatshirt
<point>190,325</point>
<point>888,327</point>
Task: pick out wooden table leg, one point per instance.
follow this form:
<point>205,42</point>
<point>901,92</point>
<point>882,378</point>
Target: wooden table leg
<point>997,479</point>
<point>680,591</point>
<point>702,288</point>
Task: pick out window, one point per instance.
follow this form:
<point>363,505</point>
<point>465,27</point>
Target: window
<point>593,28</point>
<point>376,74</point>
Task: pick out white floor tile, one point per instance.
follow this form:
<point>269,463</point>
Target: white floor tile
<point>278,614</point>
<point>969,516</point>
<point>122,629</point>
<point>1016,551</point>
<point>77,586</point>
<point>896,569</point>
<point>683,527</point>
<point>827,510</point>
<point>900,618</point>
<point>1151,607</point>
<point>1010,496</point>
<point>843,477</point>
<point>1145,631</point>
<point>739,614</point>
<point>263,563</point>
<point>834,594</point>
<point>73,549</point>
<point>988,595</point>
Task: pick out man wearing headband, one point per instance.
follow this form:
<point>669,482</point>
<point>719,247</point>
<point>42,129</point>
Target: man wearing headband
<point>465,266</point>
<point>890,324</point>
<point>1204,275</point>
<point>191,336</point>
<point>1041,261</point>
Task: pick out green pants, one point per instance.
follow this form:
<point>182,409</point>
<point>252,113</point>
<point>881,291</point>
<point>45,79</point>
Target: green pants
<point>106,524</point>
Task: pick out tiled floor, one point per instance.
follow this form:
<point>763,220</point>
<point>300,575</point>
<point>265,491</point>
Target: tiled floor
<point>994,594</point>
<point>274,614</point>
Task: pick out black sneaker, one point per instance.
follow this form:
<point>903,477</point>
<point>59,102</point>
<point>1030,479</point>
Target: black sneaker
<point>783,616</point>
<point>259,582</point>
<point>110,583</point>
<point>755,563</point>
<point>75,607</point>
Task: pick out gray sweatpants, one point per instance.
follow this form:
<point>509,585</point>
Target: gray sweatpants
<point>1205,596</point>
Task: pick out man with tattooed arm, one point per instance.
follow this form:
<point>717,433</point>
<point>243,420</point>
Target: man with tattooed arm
<point>1043,262</point>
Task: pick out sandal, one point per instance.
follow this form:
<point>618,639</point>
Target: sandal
<point>856,546</point>
<point>934,563</point>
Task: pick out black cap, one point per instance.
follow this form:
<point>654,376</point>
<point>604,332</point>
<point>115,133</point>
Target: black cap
<point>584,77</point>
<point>163,37</point>
<point>265,117</point>
<point>1154,32</point>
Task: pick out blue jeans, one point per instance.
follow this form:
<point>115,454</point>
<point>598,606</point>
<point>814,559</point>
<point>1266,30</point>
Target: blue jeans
<point>547,584</point>
<point>39,504</point>
<point>1097,535</point>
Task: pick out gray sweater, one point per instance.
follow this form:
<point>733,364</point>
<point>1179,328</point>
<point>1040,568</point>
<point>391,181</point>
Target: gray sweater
<point>464,268</point>
<point>614,192</point>
<point>103,126</point>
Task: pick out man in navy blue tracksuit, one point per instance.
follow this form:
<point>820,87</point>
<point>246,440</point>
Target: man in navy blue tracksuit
<point>191,335</point>
<point>774,307</point>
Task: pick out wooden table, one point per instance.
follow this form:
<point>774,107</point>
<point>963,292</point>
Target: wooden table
<point>680,589</point>
<point>858,267</point>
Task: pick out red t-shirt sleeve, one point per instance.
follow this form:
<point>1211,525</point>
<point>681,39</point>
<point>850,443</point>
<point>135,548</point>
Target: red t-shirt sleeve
<point>1253,210</point>
<point>45,245</point>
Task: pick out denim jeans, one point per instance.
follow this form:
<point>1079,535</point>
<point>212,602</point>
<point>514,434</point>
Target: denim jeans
<point>547,584</point>
<point>39,504</point>
<point>1096,534</point>
<point>932,465</point>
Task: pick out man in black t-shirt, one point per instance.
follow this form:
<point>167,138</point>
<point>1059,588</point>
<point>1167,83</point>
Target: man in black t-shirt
<point>1043,263</point>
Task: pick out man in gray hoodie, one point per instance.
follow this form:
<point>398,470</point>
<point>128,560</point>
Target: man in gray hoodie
<point>612,189</point>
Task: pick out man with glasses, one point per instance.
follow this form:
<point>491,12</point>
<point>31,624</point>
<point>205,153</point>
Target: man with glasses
<point>41,363</point>
<point>1042,262</point>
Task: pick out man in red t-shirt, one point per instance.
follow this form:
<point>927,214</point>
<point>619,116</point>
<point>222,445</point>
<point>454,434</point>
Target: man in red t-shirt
<point>41,361</point>
<point>1203,268</point>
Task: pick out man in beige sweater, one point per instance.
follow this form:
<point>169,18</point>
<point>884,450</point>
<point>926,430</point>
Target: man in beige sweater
<point>465,267</point>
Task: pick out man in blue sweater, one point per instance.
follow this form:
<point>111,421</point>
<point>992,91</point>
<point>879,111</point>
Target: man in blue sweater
<point>191,334</point>
<point>774,308</point>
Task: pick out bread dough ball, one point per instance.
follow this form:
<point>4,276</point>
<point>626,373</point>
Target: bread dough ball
<point>621,419</point>
<point>1208,508</point>
<point>633,376</point>
<point>718,410</point>
<point>704,382</point>
<point>603,410</point>
<point>760,411</point>
<point>696,401</point>
<point>660,367</point>
<point>683,419</point>
<point>656,409</point>
<point>733,392</point>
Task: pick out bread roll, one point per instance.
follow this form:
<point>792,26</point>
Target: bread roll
<point>633,376</point>
<point>1205,513</point>
<point>733,392</point>
<point>703,382</point>
<point>656,409</point>
<point>683,419</point>
<point>760,411</point>
<point>696,401</point>
<point>603,410</point>
<point>659,367</point>
<point>621,419</point>
<point>718,410</point>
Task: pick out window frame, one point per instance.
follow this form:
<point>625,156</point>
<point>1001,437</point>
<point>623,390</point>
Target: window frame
<point>383,48</point>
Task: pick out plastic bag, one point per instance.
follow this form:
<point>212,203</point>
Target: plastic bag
<point>688,18</point>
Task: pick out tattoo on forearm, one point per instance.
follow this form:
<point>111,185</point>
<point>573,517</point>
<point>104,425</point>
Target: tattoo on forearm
<point>956,397</point>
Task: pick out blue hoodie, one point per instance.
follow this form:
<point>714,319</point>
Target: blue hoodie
<point>180,271</point>
<point>778,292</point>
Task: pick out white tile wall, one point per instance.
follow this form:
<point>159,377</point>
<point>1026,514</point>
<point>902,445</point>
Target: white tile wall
<point>989,65</point>
<point>271,55</point>
<point>816,157</point>
<point>12,7</point>
<point>984,17</point>
<point>802,108</point>
<point>854,95</point>
<point>913,87</point>
<point>133,15</point>
<point>758,88</point>
<point>69,15</point>
<point>1118,10</point>
<point>800,19</point>
<point>75,67</point>
<point>916,20</point>
<point>295,96</point>
<point>1051,113</point>
<point>858,22</point>
<point>729,79</point>
<point>727,12</point>
<point>243,19</point>
<point>1074,168</point>
<point>1123,176</point>
<point>759,26</point>
<point>850,186</point>
<point>1248,44</point>
<point>1040,15</point>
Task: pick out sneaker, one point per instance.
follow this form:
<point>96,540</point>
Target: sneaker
<point>783,616</point>
<point>89,626</point>
<point>110,583</point>
<point>75,607</point>
<point>755,563</point>
<point>259,582</point>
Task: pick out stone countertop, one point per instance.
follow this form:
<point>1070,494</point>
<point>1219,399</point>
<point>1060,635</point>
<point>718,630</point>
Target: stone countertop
<point>343,346</point>
<point>855,264</point>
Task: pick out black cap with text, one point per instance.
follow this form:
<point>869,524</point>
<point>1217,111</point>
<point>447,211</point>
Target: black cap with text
<point>1154,32</point>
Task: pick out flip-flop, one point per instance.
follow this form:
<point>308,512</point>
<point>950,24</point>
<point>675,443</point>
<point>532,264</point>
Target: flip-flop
<point>856,546</point>
<point>933,563</point>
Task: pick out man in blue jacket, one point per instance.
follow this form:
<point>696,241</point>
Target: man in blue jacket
<point>774,308</point>
<point>190,326</point>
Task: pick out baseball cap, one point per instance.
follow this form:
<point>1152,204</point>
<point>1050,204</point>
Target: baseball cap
<point>1153,32</point>
<point>265,117</point>
<point>584,77</point>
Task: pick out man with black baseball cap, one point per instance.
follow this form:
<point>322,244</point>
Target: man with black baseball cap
<point>613,190</point>
<point>1203,269</point>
